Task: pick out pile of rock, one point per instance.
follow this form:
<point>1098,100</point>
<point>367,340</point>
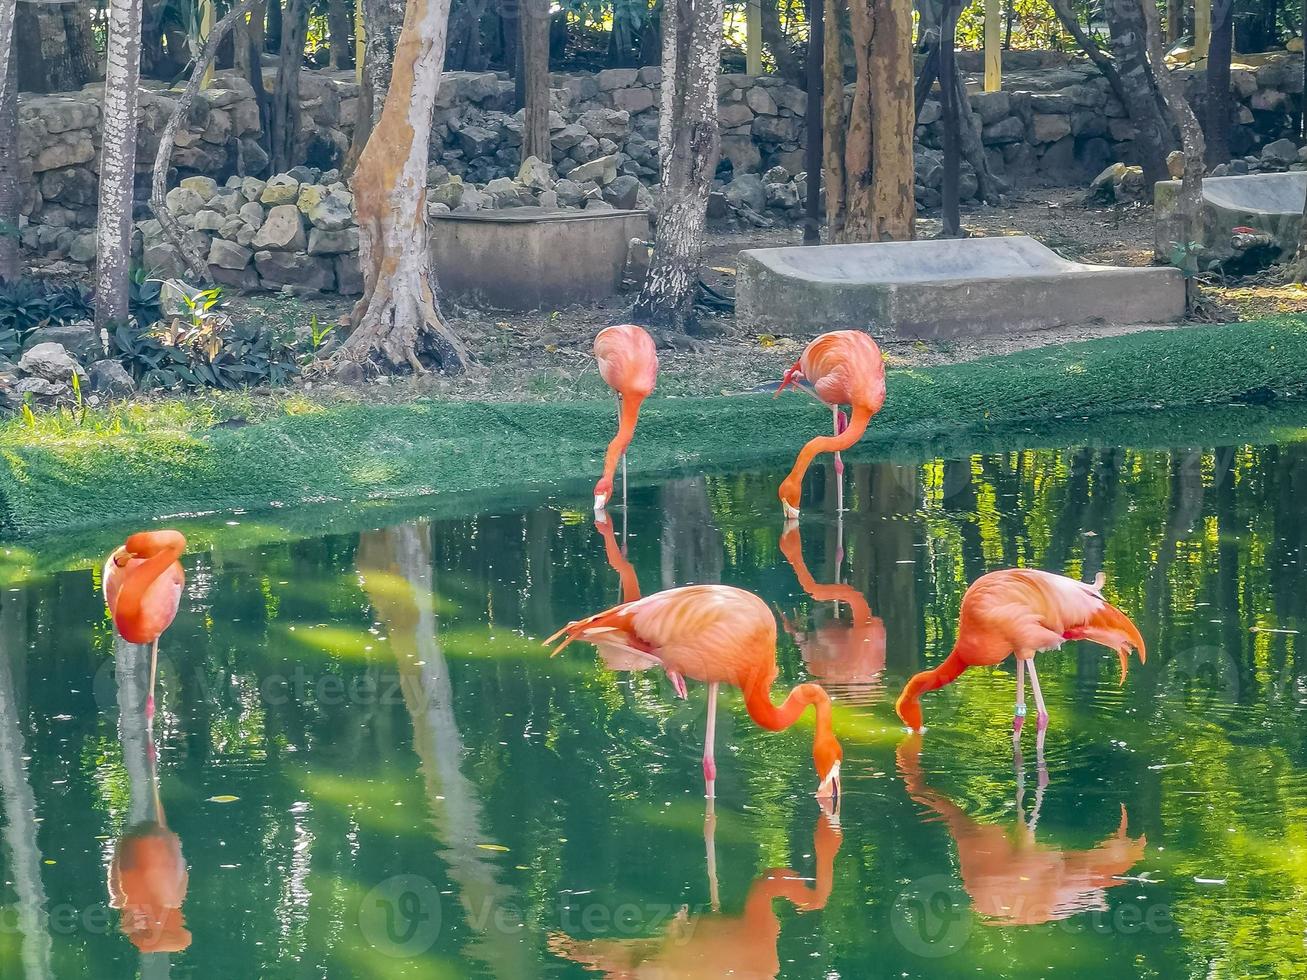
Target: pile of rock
<point>295,231</point>
<point>51,357</point>
<point>1275,157</point>
<point>759,201</point>
<point>594,185</point>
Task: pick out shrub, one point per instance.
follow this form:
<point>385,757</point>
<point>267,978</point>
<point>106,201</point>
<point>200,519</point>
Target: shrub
<point>28,303</point>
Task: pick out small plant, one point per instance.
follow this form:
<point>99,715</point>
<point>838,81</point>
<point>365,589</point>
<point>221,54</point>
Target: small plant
<point>143,297</point>
<point>28,303</point>
<point>317,338</point>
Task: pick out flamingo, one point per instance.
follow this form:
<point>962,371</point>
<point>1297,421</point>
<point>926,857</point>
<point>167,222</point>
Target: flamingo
<point>143,584</point>
<point>1024,611</point>
<point>716,634</point>
<point>628,363</point>
<point>844,367</point>
<point>717,945</point>
<point>837,653</point>
<point>1012,878</point>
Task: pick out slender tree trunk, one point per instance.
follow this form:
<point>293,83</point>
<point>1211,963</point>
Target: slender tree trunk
<point>1105,65</point>
<point>286,98</point>
<point>878,197</point>
<point>466,52</point>
<point>688,143</point>
<point>952,122</point>
<point>1174,21</point>
<point>651,45</point>
<point>1172,90</point>
<point>1219,107</point>
<point>1154,127</point>
<point>832,118</point>
<point>173,231</point>
<point>113,233</point>
<point>812,150</point>
<point>534,21</point>
<point>340,28</point>
<point>9,200</point>
<point>508,16</point>
<point>398,322</point>
<point>788,65</point>
<point>382,21</point>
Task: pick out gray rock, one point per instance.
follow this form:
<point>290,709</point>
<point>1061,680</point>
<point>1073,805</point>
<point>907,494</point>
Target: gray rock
<point>207,220</point>
<point>931,112</point>
<point>50,362</point>
<point>283,230</point>
<point>634,100</point>
<point>305,272</point>
<point>585,151</point>
<point>776,175</point>
<point>760,101</point>
<point>1009,130</point>
<point>597,205</point>
<point>782,196</point>
<point>775,129</point>
<point>568,137</point>
<point>163,260</point>
<point>281,189</point>
<point>733,115</point>
<point>536,174</point>
<point>473,200</point>
<point>252,213</point>
<point>326,242</point>
<point>1282,152</point>
<point>602,170</point>
<point>477,141</point>
<point>347,372</point>
<point>548,200</point>
<point>183,200</point>
<point>613,124</point>
<point>349,278</point>
<point>109,377</point>
<point>717,206</point>
<point>747,190</point>
<point>205,187</point>
<point>83,248</point>
<point>334,212</point>
<point>570,193</point>
<point>991,106</point>
<point>81,340</point>
<point>228,255</point>
<point>42,389</point>
<point>617,78</point>
<point>1048,127</point>
<point>622,192</point>
<point>450,193</point>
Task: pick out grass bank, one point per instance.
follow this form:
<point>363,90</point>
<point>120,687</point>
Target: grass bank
<point>181,458</point>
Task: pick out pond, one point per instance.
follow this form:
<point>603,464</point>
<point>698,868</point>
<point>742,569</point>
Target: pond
<point>372,768</point>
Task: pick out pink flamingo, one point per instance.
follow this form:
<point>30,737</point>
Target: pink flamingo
<point>628,363</point>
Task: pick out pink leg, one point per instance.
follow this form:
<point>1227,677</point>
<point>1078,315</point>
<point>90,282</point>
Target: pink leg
<point>1019,715</point>
<point>1039,698</point>
<point>837,418</point>
<point>678,682</point>
<point>709,764</point>
<point>149,696</point>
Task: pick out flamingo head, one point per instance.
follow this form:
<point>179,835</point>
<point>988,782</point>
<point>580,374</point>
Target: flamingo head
<point>789,494</point>
<point>908,707</point>
<point>793,375</point>
<point>826,756</point>
<point>121,557</point>
<point>603,493</point>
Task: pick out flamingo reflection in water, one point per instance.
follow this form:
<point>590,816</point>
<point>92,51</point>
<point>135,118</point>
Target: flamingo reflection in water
<point>850,655</point>
<point>715,945</point>
<point>1012,879</point>
<point>147,877</point>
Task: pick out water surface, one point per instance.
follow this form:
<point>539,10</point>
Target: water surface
<point>370,767</point>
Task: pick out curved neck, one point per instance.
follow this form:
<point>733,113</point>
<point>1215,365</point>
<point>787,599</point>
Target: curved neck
<point>908,706</point>
<point>167,547</point>
<point>830,444</point>
<point>757,699</point>
<point>619,562</point>
<point>630,412</point>
<point>792,549</point>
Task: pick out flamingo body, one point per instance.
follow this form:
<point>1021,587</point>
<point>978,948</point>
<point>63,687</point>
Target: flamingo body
<point>143,583</point>
<point>147,882</point>
<point>719,635</point>
<point>844,367</point>
<point>1024,611</point>
<point>628,363</point>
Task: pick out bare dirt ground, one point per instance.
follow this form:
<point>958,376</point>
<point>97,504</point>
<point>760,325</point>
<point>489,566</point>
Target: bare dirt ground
<point>547,354</point>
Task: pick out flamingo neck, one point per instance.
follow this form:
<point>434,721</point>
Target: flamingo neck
<point>630,413</point>
<point>137,582</point>
<point>825,444</point>
<point>908,705</point>
<point>757,700</point>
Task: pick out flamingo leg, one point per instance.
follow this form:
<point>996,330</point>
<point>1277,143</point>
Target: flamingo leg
<point>709,763</point>
<point>1019,714</point>
<point>149,695</point>
<point>710,852</point>
<point>837,418</point>
<point>1039,698</point>
<point>678,683</point>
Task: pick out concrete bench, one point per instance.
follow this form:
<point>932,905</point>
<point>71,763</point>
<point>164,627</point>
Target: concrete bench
<point>1270,203</point>
<point>944,288</point>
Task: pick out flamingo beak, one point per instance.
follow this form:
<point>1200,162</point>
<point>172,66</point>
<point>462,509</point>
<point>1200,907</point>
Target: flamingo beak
<point>787,379</point>
<point>601,501</point>
<point>828,791</point>
<point>789,510</point>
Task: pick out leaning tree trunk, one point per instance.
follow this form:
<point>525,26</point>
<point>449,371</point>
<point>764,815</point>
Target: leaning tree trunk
<point>1218,107</point>
<point>534,24</point>
<point>286,99</point>
<point>688,145</point>
<point>878,194</point>
<point>382,22</point>
<point>113,230</point>
<point>1154,130</point>
<point>9,200</point>
<point>398,325</point>
<point>172,229</point>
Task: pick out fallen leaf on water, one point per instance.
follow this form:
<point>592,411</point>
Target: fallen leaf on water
<point>492,847</point>
<point>222,799</point>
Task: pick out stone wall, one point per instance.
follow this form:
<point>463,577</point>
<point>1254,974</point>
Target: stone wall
<point>1057,121</point>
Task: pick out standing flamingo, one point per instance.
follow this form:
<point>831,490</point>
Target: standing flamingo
<point>845,367</point>
<point>716,634</point>
<point>1024,611</point>
<point>143,584</point>
<point>628,363</point>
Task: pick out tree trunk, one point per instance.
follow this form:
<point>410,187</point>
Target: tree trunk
<point>286,98</point>
<point>466,52</point>
<point>340,28</point>
<point>508,15</point>
<point>688,146</point>
<point>1219,108</point>
<point>878,201</point>
<point>1105,65</point>
<point>113,231</point>
<point>173,230</point>
<point>1189,206</point>
<point>382,21</point>
<point>1174,21</point>
<point>398,321</point>
<point>534,21</point>
<point>952,112</point>
<point>651,46</point>
<point>812,150</point>
<point>1154,127</point>
<point>832,116</point>
<point>788,65</point>
<point>56,52</point>
<point>9,200</point>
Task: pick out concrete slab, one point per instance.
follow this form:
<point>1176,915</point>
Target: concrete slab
<point>944,288</point>
<point>1271,203</point>
<point>532,258</point>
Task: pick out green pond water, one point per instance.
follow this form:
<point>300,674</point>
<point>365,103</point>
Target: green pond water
<point>370,766</point>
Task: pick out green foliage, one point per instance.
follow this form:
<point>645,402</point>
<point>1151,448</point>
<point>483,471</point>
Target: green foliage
<point>143,297</point>
<point>28,303</point>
